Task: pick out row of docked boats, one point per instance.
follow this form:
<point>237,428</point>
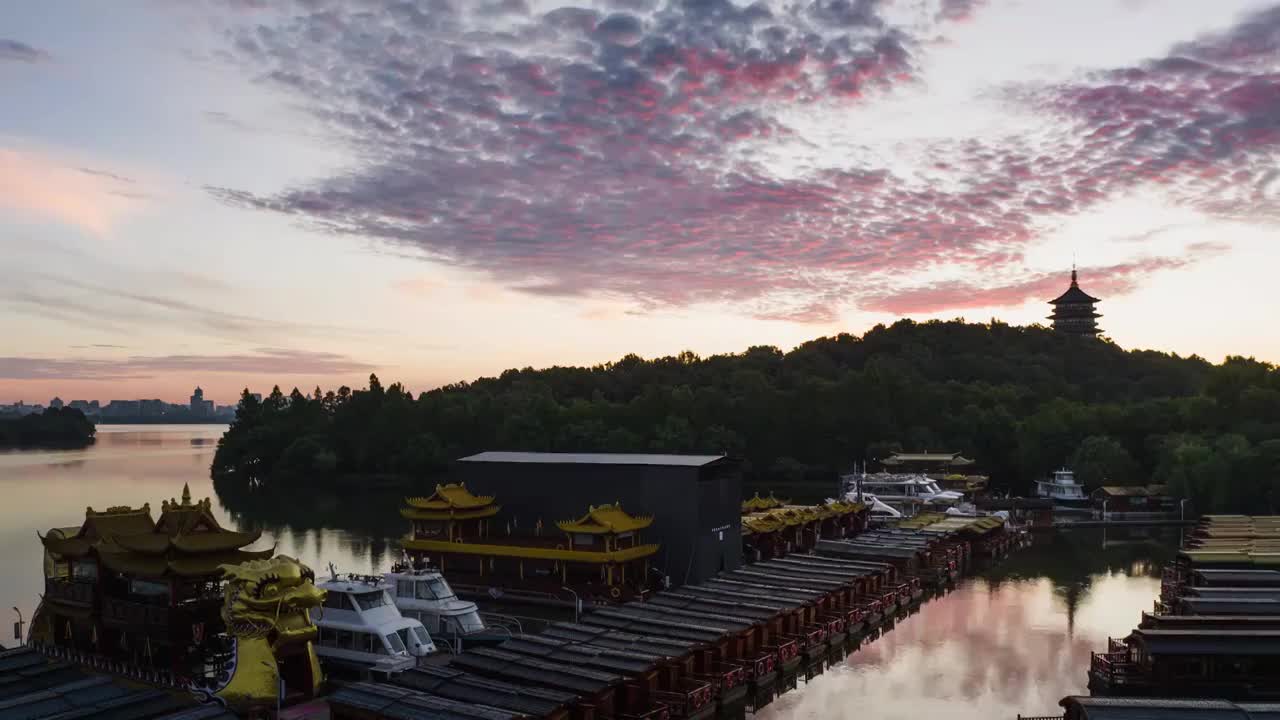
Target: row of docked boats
<point>714,648</point>
<point>1214,632</point>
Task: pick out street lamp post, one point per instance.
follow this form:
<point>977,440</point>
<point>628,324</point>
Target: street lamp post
<point>17,629</point>
<point>577,603</point>
<point>1182,506</point>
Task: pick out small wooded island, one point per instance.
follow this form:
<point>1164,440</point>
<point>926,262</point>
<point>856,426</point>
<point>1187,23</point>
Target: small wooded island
<point>1023,399</point>
<point>55,427</point>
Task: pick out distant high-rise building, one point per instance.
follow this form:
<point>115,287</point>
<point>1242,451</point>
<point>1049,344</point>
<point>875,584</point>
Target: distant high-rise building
<point>56,403</point>
<point>152,408</point>
<point>122,408</point>
<point>88,407</point>
<point>199,406</point>
<point>1074,311</point>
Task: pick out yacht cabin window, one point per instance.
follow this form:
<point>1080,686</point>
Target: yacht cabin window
<point>396,644</point>
<point>371,600</point>
<point>337,601</point>
<point>434,589</point>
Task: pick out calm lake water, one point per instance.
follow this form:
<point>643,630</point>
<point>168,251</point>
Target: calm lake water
<point>1012,641</point>
<point>134,464</point>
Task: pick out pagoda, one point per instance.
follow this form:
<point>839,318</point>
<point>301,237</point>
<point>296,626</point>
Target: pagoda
<point>127,590</point>
<point>1074,312</point>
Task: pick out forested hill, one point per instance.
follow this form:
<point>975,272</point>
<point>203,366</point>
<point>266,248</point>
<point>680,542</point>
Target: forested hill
<point>1020,400</point>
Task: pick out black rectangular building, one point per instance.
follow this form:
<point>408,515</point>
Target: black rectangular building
<point>695,500</point>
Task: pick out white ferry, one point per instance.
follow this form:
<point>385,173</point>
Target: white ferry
<point>361,631</point>
<point>1063,489</point>
<point>421,592</point>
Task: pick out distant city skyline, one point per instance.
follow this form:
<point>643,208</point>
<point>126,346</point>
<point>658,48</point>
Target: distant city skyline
<point>196,405</point>
<point>303,192</point>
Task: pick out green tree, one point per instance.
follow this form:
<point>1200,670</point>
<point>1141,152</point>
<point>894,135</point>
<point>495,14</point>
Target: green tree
<point>1101,460</point>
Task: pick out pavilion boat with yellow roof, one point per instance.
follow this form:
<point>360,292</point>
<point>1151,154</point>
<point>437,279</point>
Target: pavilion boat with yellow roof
<point>772,528</point>
<point>599,556</point>
<point>138,594</point>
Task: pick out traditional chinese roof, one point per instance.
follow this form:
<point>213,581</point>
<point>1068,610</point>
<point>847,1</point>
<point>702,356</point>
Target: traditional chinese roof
<point>450,497</point>
<point>757,503</point>
<point>606,520</point>
<point>761,524</point>
<point>951,458</point>
<point>1074,295</point>
<point>204,542</point>
<point>1132,491</point>
<point>450,502</point>
<point>155,566</point>
<point>778,518</point>
<point>186,540</point>
<point>843,507</point>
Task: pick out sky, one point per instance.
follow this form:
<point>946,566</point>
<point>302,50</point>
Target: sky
<point>238,193</point>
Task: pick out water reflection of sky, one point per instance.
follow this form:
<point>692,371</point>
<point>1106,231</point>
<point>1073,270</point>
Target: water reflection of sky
<point>984,651</point>
<point>1014,643</point>
<point>132,465</point>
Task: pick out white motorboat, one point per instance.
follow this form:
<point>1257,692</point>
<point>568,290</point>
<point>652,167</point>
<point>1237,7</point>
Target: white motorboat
<point>904,493</point>
<point>421,592</point>
<point>879,511</point>
<point>362,632</point>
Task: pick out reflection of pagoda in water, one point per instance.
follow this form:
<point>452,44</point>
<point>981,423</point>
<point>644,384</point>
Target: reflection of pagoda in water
<point>136,591</point>
<point>1074,311</point>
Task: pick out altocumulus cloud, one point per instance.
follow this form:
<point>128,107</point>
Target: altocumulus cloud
<point>615,147</point>
<point>265,361</point>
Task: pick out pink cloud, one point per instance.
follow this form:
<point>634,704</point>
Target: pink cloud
<point>40,185</point>
<point>1107,281</point>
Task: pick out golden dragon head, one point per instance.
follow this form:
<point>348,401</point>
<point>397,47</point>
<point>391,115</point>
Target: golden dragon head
<point>270,599</point>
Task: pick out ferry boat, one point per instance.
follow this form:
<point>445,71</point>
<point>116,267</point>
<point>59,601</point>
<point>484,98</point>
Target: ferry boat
<point>361,631</point>
<point>422,593</point>
<point>1064,490</point>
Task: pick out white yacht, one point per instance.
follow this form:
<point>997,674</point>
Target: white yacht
<point>877,509</point>
<point>904,493</point>
<point>362,630</point>
<point>422,593</point>
<point>1063,489</point>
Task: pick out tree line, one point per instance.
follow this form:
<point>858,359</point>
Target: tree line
<point>55,427</point>
<point>1020,400</point>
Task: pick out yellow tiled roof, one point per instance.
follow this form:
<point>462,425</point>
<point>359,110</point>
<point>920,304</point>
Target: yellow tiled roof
<point>758,504</point>
<point>606,519</point>
<point>454,496</point>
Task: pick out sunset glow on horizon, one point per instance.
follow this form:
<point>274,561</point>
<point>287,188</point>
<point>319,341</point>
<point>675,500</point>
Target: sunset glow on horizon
<point>243,193</point>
